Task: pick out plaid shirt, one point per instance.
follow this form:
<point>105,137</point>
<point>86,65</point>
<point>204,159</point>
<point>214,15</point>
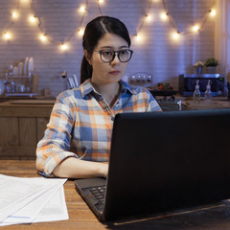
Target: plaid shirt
<point>81,124</point>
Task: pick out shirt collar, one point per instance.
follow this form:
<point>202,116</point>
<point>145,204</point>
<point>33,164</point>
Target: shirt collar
<point>86,88</point>
<point>126,87</point>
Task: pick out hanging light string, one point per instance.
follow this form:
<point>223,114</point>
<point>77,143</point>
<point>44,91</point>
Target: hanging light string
<point>145,17</point>
<point>40,26</point>
<point>83,10</point>
<point>99,7</point>
<point>197,28</point>
<point>206,16</point>
<point>14,15</point>
<point>172,21</point>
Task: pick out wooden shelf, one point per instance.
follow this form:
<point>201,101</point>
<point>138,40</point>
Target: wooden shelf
<point>20,94</point>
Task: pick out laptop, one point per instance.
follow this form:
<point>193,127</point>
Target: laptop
<point>162,161</point>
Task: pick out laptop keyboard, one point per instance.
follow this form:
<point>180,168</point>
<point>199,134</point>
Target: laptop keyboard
<point>99,194</point>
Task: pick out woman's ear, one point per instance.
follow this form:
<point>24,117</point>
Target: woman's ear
<point>88,57</point>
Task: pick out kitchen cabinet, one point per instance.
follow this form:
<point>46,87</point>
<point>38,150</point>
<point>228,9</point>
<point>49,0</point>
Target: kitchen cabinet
<point>22,125</point>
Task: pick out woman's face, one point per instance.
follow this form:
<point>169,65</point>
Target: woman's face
<point>110,72</point>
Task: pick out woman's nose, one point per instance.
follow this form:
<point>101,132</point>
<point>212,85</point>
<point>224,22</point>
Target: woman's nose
<point>115,60</point>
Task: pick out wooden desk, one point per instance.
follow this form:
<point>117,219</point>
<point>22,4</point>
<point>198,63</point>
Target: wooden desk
<point>81,217</point>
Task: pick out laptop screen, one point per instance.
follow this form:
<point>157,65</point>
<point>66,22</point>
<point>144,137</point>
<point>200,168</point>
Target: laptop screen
<point>162,161</point>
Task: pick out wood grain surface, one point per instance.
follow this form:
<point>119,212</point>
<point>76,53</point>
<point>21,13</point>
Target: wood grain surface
<point>80,216</point>
<point>22,125</point>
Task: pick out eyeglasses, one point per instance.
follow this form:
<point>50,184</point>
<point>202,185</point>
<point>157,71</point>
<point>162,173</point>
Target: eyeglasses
<point>108,55</point>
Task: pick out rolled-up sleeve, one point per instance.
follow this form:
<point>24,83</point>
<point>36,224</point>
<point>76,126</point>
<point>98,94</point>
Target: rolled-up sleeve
<point>153,106</point>
<point>54,146</point>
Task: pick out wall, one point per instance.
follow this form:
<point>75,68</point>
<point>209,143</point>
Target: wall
<point>157,54</point>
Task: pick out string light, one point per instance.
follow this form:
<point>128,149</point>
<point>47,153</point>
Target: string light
<point>33,19</point>
<point>213,13</point>
<point>149,18</point>
<point>43,37</point>
<point>196,28</point>
<point>7,36</point>
<point>164,16</point>
<point>82,9</point>
<point>176,35</point>
<point>25,1</point>
<point>15,15</point>
<point>139,37</point>
<point>81,32</point>
<point>64,46</point>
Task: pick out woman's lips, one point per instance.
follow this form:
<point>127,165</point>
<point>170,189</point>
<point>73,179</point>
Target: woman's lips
<point>115,72</point>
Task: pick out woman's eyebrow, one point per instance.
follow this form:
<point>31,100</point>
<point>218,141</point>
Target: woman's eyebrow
<point>111,47</point>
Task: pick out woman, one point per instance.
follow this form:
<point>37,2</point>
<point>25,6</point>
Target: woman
<point>77,140</point>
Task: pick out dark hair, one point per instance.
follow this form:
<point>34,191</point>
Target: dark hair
<point>94,31</point>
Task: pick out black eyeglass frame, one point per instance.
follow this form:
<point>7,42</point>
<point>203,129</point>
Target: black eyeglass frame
<point>114,53</point>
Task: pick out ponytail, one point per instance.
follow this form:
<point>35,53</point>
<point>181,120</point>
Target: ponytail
<point>86,70</point>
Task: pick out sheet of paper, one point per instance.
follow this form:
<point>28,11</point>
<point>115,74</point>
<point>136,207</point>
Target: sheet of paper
<point>29,212</point>
<point>23,199</point>
<point>55,209</point>
<point>15,191</point>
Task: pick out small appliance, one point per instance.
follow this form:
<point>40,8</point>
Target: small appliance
<point>187,84</point>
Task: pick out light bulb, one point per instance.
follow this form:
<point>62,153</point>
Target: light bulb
<point>81,32</point>
<point>196,28</point>
<point>149,18</point>
<point>32,19</point>
<point>82,9</point>
<point>24,1</point>
<point>7,36</point>
<point>164,16</point>
<point>15,15</point>
<point>176,35</point>
<point>100,1</point>
<point>43,37</point>
<point>212,12</point>
<point>64,46</point>
<point>139,38</point>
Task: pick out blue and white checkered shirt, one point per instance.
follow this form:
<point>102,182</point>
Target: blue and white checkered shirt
<point>81,124</point>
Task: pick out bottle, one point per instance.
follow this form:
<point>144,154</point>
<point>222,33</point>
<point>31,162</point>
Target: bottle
<point>228,84</point>
<point>228,76</point>
<point>196,93</point>
<point>208,92</point>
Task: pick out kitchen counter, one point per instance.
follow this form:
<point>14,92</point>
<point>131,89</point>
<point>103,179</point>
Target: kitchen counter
<point>214,103</point>
<point>187,103</point>
<point>22,123</point>
<point>26,108</point>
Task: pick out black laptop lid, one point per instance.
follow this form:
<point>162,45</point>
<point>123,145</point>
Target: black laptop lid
<point>168,160</point>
